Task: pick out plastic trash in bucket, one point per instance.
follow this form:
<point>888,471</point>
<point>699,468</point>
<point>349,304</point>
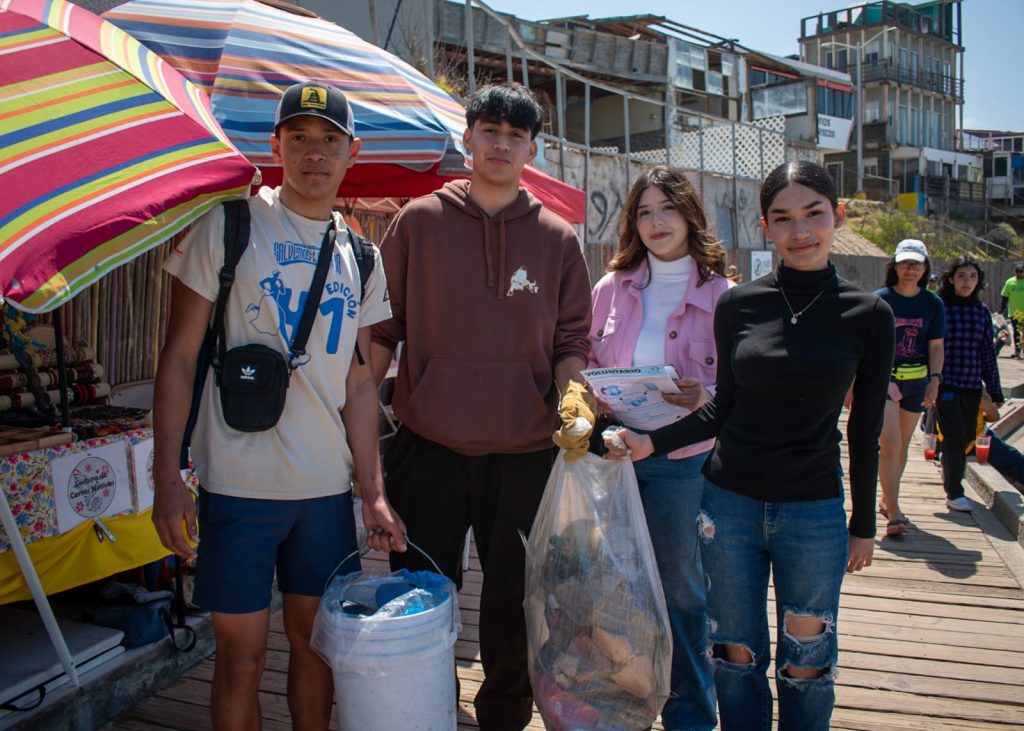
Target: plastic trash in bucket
<point>390,672</point>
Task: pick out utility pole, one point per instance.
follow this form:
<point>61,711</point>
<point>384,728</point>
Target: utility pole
<point>374,36</point>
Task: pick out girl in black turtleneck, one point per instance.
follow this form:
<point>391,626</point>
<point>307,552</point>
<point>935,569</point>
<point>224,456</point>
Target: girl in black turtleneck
<point>789,345</point>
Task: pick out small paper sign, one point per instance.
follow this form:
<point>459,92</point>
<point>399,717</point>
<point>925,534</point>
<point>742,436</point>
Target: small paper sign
<point>91,484</point>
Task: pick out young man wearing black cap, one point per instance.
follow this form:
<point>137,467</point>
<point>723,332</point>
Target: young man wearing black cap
<point>490,294</point>
<point>279,500</point>
<point>1012,305</point>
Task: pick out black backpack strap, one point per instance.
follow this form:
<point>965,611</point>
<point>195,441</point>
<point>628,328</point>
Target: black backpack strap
<point>365,259</point>
<point>236,239</point>
<point>316,288</point>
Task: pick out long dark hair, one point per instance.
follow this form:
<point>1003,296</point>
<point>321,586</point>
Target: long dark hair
<point>891,277</point>
<point>808,174</point>
<point>946,290</point>
<point>707,252</point>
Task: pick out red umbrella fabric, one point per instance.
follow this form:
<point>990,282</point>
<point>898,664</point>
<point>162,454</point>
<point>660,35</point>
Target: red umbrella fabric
<point>105,152</point>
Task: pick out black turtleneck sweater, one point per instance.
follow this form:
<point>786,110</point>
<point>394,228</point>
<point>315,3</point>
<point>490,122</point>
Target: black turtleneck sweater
<point>781,387</point>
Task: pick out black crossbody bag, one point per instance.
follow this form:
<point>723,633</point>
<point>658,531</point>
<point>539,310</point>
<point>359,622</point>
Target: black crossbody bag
<point>253,379</point>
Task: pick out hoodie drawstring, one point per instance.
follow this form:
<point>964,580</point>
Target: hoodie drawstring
<point>501,255</point>
<point>488,256</point>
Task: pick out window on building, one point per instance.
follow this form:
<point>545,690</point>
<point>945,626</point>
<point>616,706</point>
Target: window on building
<point>779,100</point>
<point>999,166</point>
<point>834,102</point>
<point>713,83</point>
<point>903,132</point>
<point>872,111</point>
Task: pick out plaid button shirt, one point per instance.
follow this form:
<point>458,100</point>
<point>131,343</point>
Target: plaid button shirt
<point>970,355</point>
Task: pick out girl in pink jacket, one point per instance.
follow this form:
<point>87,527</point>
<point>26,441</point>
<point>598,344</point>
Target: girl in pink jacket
<point>655,306</point>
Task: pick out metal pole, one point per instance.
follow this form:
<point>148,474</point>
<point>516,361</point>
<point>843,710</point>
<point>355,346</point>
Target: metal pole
<point>526,72</point>
<point>860,124</point>
<point>470,50</point>
<point>374,35</point>
<point>431,42</point>
<point>625,116</point>
<point>62,370</point>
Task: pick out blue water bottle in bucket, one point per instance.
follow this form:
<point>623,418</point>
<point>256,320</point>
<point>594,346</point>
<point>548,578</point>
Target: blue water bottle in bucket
<point>389,639</point>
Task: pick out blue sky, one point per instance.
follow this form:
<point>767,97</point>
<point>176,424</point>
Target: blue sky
<point>993,96</point>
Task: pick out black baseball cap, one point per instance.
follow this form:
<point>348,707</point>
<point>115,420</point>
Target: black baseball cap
<point>317,100</point>
<point>1019,266</point>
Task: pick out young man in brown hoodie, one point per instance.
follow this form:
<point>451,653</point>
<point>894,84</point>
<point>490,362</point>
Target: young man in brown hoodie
<point>491,296</point>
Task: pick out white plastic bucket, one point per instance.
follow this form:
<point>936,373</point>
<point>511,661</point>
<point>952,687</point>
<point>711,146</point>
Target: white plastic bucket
<point>394,672</point>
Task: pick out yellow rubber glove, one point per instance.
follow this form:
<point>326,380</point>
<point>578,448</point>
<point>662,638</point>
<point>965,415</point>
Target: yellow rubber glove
<point>578,412</point>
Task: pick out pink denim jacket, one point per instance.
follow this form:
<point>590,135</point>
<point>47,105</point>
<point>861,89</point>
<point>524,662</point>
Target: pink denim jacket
<point>689,330</point>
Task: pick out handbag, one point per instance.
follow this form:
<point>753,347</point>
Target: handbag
<point>253,378</point>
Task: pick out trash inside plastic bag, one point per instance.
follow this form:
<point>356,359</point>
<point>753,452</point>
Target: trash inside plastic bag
<point>387,595</point>
<point>367,607</point>
<point>599,642</point>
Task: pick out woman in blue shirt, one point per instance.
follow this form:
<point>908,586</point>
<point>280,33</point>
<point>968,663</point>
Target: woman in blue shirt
<point>917,368</point>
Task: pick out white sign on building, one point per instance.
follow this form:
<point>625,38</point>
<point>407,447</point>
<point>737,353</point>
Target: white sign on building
<point>834,132</point>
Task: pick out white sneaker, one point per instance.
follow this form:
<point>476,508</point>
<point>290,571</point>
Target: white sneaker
<point>960,504</point>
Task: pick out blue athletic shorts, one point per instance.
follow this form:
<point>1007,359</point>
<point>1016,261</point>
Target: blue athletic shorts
<point>912,392</point>
<point>243,540</point>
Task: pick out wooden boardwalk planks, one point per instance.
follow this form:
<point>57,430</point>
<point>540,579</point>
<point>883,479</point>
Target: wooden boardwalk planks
<point>931,636</point>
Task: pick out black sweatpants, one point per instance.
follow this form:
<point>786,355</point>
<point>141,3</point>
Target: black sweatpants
<point>958,420</point>
<point>440,494</point>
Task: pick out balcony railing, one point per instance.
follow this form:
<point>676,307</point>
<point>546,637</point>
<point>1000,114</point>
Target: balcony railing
<point>886,70</point>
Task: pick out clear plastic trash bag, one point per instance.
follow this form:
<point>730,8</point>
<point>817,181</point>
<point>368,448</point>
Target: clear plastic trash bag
<point>600,646</point>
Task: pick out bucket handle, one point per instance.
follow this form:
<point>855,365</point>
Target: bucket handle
<point>364,549</point>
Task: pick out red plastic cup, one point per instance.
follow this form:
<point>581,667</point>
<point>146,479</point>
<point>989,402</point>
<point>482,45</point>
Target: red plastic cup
<point>929,446</point>
<point>981,447</point>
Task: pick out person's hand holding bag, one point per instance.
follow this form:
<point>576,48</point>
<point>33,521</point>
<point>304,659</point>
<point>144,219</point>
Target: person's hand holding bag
<point>578,411</point>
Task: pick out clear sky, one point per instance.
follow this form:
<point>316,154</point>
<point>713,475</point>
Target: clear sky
<point>993,91</point>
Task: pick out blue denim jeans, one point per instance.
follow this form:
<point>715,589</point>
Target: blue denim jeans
<point>805,546</point>
<point>671,493</point>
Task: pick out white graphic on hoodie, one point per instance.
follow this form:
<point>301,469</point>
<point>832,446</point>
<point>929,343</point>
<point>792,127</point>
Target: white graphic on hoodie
<point>520,282</point>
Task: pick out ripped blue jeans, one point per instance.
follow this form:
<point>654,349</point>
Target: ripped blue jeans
<point>804,545</point>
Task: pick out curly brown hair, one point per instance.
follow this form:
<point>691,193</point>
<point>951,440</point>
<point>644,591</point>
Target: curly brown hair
<point>707,252</point>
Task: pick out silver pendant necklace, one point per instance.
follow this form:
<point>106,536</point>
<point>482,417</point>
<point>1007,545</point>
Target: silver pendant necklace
<point>795,316</point>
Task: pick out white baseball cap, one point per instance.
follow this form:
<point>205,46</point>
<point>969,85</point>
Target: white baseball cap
<point>911,249</point>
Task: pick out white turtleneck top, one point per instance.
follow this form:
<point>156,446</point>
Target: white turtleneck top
<point>669,280</point>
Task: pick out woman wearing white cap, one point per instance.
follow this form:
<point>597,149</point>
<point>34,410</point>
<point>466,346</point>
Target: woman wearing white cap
<point>917,368</point>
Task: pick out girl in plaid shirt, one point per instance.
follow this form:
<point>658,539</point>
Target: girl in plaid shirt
<point>970,363</point>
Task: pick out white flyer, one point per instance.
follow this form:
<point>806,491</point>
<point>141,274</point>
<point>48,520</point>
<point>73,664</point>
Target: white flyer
<point>634,394</point>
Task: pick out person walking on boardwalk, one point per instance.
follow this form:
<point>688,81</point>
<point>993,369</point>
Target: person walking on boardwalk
<point>789,345</point>
<point>970,365</point>
<point>917,369</point>
<point>655,306</point>
<point>1011,305</point>
<point>491,298</point>
<point>276,501</point>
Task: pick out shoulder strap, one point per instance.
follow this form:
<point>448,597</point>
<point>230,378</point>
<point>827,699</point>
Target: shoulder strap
<point>365,259</point>
<point>316,288</point>
<point>236,239</point>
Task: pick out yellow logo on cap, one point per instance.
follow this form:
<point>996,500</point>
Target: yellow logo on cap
<point>313,96</point>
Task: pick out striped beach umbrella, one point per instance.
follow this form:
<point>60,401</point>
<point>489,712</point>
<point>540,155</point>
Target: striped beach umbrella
<point>245,53</point>
<point>105,152</point>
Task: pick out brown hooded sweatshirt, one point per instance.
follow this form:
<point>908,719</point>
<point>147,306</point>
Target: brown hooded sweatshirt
<point>486,305</point>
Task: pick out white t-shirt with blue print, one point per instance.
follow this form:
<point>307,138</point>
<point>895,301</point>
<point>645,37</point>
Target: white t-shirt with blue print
<point>306,455</point>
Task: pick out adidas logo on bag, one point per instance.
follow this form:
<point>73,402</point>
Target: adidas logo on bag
<point>248,373</point>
